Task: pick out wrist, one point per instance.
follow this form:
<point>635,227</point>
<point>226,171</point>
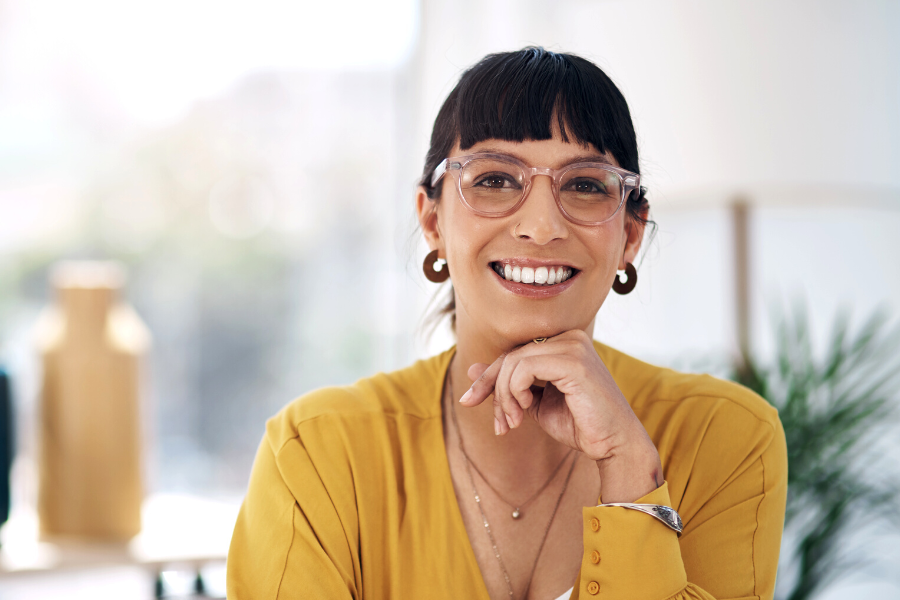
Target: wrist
<point>630,473</point>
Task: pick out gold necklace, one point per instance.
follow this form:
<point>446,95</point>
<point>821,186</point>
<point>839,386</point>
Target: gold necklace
<point>517,508</point>
<point>484,520</point>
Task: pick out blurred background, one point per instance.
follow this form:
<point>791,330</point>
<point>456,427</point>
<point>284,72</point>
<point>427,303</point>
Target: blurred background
<point>252,166</point>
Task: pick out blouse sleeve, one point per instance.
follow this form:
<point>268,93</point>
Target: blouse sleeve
<point>277,552</point>
<point>731,538</point>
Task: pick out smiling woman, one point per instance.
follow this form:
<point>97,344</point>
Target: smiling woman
<point>569,469</point>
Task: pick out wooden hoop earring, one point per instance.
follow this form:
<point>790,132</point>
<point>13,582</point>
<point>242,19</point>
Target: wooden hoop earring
<point>624,287</point>
<point>439,274</point>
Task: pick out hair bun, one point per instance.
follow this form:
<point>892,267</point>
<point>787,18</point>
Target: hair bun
<point>638,196</point>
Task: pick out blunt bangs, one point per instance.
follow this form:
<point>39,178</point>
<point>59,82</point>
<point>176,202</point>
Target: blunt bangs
<point>515,96</point>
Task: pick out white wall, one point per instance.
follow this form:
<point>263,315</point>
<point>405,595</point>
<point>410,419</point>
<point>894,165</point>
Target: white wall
<point>728,98</point>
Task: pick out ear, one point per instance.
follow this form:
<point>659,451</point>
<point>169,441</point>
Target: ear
<point>634,235</point>
<point>426,210</point>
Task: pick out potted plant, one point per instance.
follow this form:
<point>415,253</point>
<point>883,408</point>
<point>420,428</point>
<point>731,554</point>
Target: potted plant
<point>837,409</point>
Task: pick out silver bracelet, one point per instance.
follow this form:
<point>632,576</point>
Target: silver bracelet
<point>665,514</point>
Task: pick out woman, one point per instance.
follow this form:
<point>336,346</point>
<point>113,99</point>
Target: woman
<point>478,473</point>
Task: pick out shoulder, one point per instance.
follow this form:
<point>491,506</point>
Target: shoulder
<point>697,398</point>
<point>710,433</point>
<point>409,393</point>
<point>700,422</point>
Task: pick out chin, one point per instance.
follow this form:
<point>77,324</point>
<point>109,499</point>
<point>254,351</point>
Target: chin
<point>523,329</point>
<point>515,318</point>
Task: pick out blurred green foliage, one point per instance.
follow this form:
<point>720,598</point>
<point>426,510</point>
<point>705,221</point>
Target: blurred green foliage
<point>837,409</point>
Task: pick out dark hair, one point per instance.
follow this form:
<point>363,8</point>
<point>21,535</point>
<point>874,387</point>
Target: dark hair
<point>514,96</point>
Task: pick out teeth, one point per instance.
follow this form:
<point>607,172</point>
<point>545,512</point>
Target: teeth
<point>533,276</point>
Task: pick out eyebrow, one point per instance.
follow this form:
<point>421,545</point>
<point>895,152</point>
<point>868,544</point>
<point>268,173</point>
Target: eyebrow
<point>593,157</point>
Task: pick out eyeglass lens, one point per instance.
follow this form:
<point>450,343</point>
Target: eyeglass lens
<point>587,193</point>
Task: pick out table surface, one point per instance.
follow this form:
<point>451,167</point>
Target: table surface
<point>177,530</point>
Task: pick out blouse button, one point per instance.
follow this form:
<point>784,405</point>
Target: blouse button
<point>593,588</point>
<point>595,557</point>
<point>595,524</point>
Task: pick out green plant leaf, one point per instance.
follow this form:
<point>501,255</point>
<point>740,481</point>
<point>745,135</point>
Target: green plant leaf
<point>834,411</point>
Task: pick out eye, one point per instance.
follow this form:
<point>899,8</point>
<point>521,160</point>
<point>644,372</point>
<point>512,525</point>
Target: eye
<point>584,185</point>
<point>495,181</point>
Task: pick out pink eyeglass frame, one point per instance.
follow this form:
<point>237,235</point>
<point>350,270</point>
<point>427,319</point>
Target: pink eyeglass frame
<point>630,182</point>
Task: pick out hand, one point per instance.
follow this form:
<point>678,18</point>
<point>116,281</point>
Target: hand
<point>580,406</point>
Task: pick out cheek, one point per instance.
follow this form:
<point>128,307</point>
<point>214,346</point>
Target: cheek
<point>606,245</point>
<point>465,237</point>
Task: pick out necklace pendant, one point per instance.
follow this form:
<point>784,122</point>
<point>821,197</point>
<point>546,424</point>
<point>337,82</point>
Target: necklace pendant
<point>516,514</point>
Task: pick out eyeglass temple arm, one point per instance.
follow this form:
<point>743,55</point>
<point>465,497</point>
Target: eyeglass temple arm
<point>633,182</point>
<point>438,172</point>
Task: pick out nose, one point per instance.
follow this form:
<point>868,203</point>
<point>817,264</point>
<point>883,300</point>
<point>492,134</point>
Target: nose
<point>539,218</point>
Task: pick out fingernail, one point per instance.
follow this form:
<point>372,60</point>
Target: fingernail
<point>510,422</point>
<point>466,395</point>
<point>496,426</point>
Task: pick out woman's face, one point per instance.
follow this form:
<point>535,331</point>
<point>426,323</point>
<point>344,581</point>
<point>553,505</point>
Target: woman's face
<point>535,236</point>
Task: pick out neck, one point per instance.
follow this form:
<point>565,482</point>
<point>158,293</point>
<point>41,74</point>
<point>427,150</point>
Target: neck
<point>525,455</point>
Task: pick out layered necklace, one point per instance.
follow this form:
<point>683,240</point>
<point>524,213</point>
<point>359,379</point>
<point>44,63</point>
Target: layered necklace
<point>517,513</point>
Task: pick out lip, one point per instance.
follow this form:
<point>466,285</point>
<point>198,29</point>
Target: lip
<point>533,291</point>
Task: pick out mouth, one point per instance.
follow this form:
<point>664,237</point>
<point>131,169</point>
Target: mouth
<point>540,276</point>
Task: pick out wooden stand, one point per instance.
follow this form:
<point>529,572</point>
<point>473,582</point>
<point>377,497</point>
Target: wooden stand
<point>90,462</point>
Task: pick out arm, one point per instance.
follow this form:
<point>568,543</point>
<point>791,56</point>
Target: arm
<point>729,462</point>
<point>288,544</point>
<point>733,513</point>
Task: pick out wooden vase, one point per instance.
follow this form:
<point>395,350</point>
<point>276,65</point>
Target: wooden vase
<point>91,345</point>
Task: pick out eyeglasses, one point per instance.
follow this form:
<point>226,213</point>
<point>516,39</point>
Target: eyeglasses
<point>496,185</point>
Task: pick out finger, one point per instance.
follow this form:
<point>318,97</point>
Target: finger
<point>566,344</point>
<point>501,423</point>
<point>513,404</point>
<point>476,370</point>
<point>552,368</point>
<point>570,335</point>
<point>516,401</point>
<point>483,386</point>
<point>524,396</point>
<point>512,411</point>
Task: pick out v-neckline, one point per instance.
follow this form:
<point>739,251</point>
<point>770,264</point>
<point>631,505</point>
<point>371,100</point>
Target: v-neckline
<point>447,478</point>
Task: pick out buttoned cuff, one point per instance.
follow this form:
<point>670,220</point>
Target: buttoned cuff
<point>629,554</point>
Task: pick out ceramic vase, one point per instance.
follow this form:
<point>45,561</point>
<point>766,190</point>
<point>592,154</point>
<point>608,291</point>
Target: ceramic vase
<point>92,345</point>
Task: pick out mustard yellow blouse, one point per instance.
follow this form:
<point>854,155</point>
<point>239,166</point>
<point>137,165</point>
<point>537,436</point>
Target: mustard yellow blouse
<point>351,496</point>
